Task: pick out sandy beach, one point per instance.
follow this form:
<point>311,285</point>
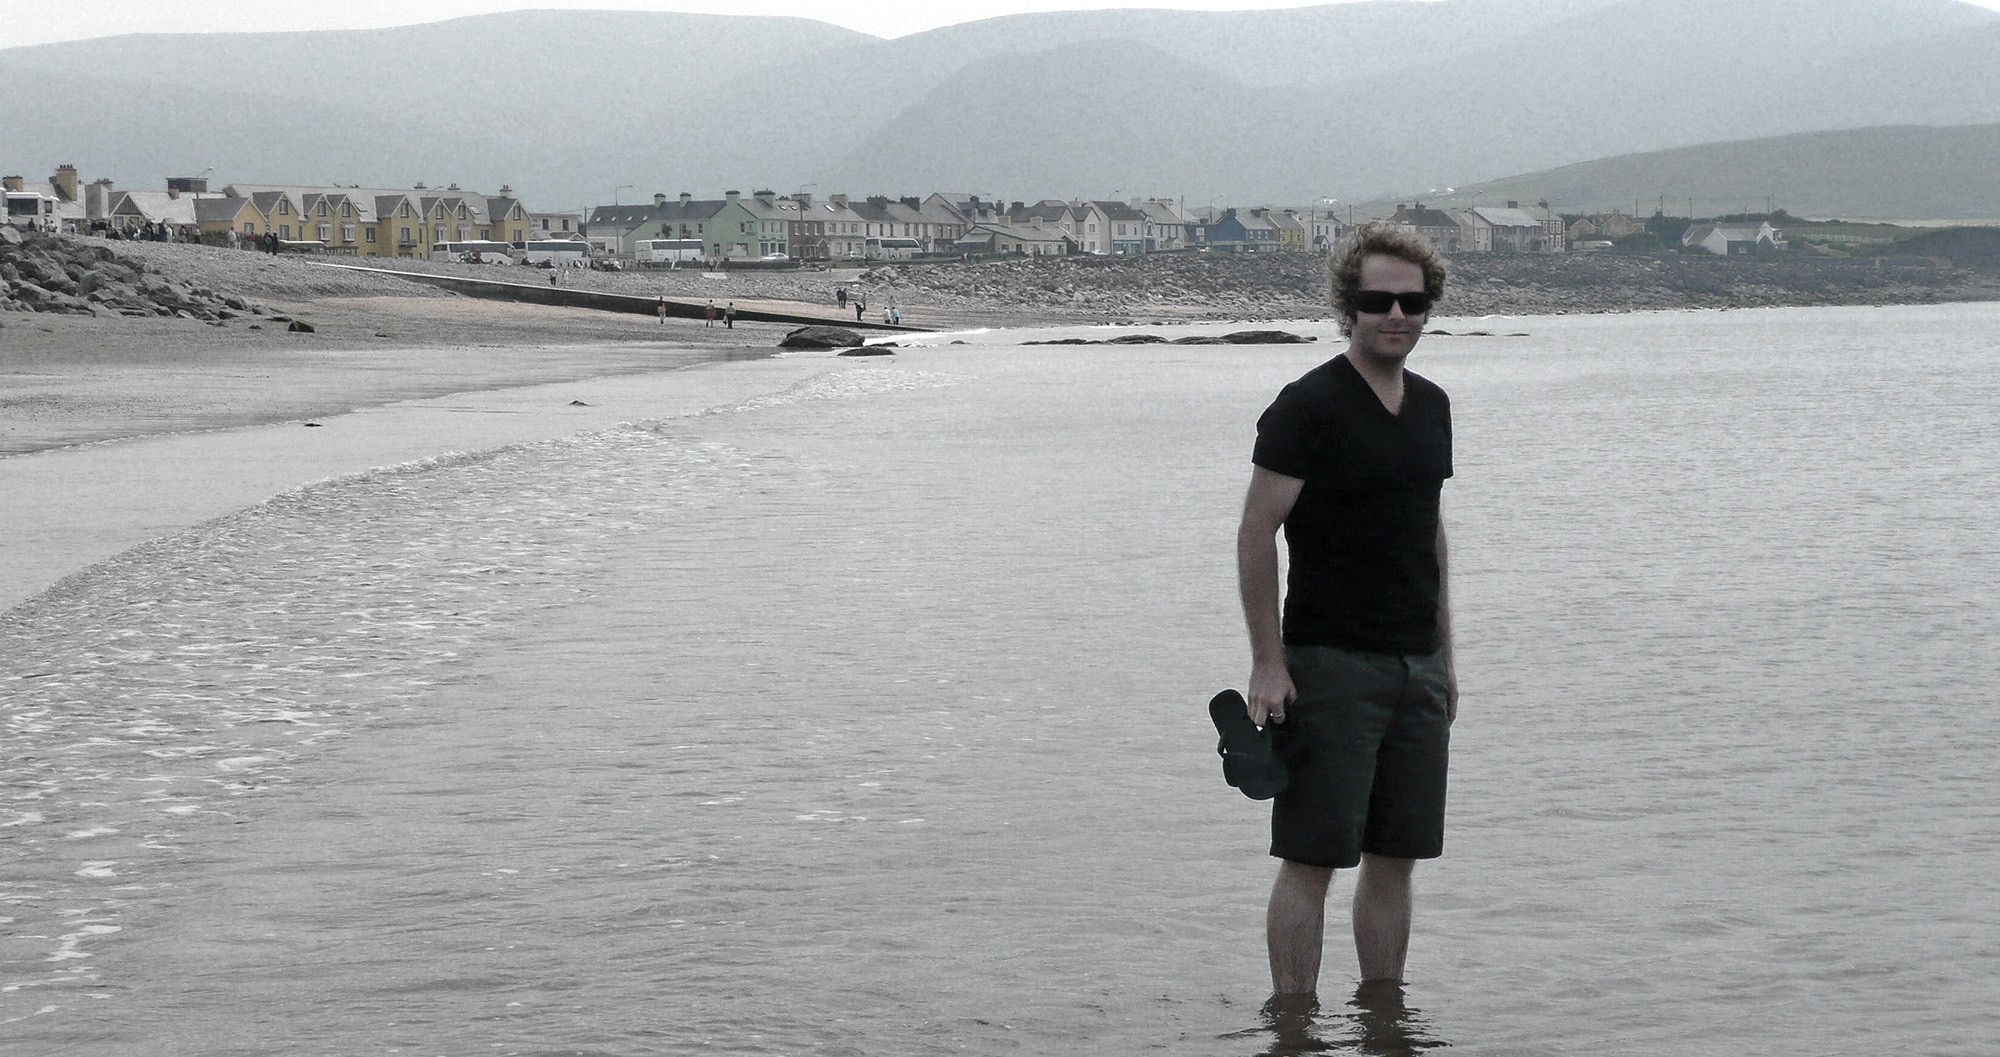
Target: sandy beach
<point>115,430</point>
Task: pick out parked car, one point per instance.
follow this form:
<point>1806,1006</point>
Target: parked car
<point>776,258</point>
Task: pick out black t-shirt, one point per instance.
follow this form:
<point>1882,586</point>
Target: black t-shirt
<point>1363,533</point>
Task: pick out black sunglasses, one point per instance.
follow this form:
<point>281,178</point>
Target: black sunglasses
<point>1377,302</point>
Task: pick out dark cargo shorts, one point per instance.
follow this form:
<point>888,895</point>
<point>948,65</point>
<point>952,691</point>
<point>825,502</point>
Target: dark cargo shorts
<point>1365,743</point>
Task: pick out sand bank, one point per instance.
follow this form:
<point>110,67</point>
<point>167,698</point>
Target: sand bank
<point>70,507</point>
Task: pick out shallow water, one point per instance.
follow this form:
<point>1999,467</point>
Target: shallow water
<point>866,717</point>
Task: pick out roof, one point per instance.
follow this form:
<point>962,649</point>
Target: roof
<point>217,207</point>
<point>1012,231</point>
<point>1118,211</point>
<point>1505,218</point>
<point>1046,209</point>
<point>1421,217</point>
<point>155,206</point>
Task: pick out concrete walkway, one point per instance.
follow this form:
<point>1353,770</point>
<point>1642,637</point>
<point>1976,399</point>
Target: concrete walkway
<point>567,297</point>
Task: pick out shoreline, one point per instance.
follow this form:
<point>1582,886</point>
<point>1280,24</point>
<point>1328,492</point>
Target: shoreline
<point>116,429</point>
<point>72,507</point>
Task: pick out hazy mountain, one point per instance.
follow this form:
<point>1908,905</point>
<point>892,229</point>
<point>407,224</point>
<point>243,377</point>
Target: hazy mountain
<point>1280,107</point>
<point>1921,172</point>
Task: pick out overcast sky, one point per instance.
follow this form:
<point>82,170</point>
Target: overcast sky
<point>43,21</point>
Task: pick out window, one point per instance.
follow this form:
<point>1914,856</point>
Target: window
<point>347,233</point>
<point>368,234</point>
<point>485,234</point>
<point>249,227</point>
<point>322,208</point>
<point>405,212</point>
<point>326,232</point>
<point>406,234</point>
<point>440,234</point>
<point>284,231</point>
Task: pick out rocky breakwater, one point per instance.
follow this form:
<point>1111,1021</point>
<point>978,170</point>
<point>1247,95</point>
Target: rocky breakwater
<point>41,272</point>
<point>1162,286</point>
<point>1169,287</point>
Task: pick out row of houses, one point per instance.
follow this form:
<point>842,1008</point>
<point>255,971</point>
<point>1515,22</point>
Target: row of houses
<point>408,222</point>
<point>840,227</point>
<point>355,221</point>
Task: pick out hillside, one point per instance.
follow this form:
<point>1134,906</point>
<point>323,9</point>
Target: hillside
<point>1349,100</point>
<point>1893,173</point>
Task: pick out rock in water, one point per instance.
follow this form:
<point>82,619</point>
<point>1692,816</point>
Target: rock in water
<point>818,337</point>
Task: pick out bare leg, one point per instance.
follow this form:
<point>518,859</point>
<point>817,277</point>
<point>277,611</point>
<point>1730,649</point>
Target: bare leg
<point>1295,925</point>
<point>1382,916</point>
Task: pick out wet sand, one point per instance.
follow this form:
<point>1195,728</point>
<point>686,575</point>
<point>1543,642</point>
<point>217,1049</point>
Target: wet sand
<point>116,430</point>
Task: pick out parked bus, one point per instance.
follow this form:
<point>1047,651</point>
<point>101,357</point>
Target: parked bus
<point>552,253</point>
<point>665,253</point>
<point>476,252</point>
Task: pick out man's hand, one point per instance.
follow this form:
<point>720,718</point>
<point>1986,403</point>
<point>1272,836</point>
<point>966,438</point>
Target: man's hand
<point>1271,691</point>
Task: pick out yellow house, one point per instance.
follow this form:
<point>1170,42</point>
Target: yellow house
<point>380,222</point>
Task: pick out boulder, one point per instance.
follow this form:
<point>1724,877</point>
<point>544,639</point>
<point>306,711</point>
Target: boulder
<point>820,337</point>
<point>1265,337</point>
<point>867,350</point>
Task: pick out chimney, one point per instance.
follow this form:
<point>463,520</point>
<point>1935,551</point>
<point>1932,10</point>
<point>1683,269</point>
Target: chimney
<point>731,196</point>
<point>912,201</point>
<point>686,198</point>
<point>11,183</point>
<point>97,199</point>
<point>506,191</point>
<point>173,190</point>
<point>453,187</point>
<point>838,200</point>
<point>804,199</point>
<point>766,197</point>
<point>659,199</point>
<point>65,180</point>
<point>1513,205</point>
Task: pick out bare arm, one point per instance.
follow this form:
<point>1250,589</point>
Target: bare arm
<point>1444,629</point>
<point>1264,510</point>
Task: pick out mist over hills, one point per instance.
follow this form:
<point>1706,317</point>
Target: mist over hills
<point>1282,107</point>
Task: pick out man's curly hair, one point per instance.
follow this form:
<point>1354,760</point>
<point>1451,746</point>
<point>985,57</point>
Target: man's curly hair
<point>1343,268</point>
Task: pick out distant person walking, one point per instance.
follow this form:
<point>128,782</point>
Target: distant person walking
<point>729,316</point>
<point>709,313</point>
<point>841,296</point>
<point>662,309</point>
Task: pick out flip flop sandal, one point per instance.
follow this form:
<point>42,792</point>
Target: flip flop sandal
<point>1248,760</point>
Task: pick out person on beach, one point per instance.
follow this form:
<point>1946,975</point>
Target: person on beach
<point>1356,674</point>
<point>662,310</point>
<point>729,316</point>
<point>709,314</point>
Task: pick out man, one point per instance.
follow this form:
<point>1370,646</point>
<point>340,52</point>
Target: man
<point>1357,674</point>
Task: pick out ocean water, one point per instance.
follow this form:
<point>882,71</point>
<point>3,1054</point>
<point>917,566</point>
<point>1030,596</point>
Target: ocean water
<point>867,717</point>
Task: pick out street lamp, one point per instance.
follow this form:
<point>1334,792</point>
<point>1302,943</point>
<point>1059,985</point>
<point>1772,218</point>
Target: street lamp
<point>799,246</point>
<point>620,187</point>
